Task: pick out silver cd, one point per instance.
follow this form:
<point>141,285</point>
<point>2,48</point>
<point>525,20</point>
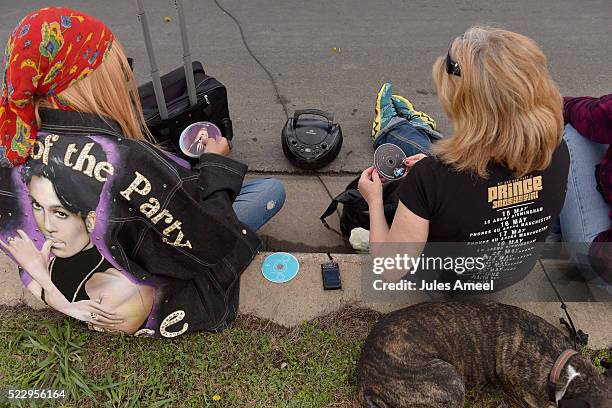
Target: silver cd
<point>389,161</point>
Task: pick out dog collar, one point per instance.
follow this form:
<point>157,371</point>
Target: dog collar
<point>555,373</point>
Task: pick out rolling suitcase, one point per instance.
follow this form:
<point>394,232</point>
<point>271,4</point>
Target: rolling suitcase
<point>181,97</point>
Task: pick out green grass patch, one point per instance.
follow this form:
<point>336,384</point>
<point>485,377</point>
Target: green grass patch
<point>598,357</point>
<point>253,363</point>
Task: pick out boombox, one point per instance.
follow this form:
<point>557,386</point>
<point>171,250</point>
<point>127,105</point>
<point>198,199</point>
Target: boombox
<point>311,143</point>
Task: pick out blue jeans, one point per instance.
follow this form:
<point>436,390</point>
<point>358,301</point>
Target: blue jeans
<point>408,137</point>
<point>259,200</point>
<point>585,213</point>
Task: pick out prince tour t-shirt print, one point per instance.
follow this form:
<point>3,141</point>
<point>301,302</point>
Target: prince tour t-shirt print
<point>110,226</point>
<point>502,216</point>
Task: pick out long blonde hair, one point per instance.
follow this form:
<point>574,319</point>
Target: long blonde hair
<point>109,91</point>
<point>504,107</point>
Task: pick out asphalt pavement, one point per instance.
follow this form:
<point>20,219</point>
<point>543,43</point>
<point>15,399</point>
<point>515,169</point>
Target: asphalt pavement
<point>333,55</point>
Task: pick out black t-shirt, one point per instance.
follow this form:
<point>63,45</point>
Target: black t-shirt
<point>501,209</point>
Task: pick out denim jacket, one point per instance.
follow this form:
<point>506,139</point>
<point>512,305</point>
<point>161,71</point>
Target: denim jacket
<point>168,229</point>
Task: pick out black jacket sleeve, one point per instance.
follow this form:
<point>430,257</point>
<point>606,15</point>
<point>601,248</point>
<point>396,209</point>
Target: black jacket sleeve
<point>220,180</point>
<point>220,175</point>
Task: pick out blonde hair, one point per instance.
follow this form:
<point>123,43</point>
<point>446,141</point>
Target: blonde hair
<point>504,107</point>
<point>109,91</point>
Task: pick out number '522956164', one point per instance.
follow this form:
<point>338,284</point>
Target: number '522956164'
<point>32,393</point>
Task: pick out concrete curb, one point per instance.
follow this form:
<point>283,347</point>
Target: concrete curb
<point>303,298</point>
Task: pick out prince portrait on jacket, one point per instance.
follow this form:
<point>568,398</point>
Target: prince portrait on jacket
<point>66,196</point>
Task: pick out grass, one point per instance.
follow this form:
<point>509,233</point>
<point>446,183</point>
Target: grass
<point>254,363</point>
<point>598,357</point>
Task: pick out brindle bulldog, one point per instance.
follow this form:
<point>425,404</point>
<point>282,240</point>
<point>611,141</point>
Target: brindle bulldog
<point>427,354</point>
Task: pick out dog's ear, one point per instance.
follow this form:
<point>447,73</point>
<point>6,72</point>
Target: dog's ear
<point>573,403</point>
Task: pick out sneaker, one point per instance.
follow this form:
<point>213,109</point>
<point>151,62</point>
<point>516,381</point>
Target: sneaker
<point>406,109</point>
<point>384,110</point>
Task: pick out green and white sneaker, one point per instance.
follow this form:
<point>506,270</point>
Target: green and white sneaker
<point>406,109</point>
<point>384,110</point>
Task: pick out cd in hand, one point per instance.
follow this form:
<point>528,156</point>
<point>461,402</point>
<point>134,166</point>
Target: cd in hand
<point>193,139</point>
<point>389,161</point>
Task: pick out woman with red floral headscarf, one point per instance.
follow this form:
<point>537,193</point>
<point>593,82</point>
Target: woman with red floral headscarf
<point>48,56</point>
<point>142,243</point>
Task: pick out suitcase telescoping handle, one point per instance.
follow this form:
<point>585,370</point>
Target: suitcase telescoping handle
<point>191,89</point>
<point>157,86</point>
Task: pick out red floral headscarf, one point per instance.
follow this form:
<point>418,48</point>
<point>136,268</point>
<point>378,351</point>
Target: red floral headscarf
<point>47,52</point>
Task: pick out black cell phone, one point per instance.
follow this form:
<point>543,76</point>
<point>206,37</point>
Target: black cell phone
<point>331,276</point>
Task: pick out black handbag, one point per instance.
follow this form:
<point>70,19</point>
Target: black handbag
<point>211,106</point>
<point>355,212</point>
<point>181,97</point>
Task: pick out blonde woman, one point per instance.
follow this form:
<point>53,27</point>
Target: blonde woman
<point>167,243</point>
<point>500,177</point>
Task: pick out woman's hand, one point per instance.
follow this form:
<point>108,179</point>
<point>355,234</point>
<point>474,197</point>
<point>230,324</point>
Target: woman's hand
<point>219,145</point>
<point>370,186</point>
<point>26,254</point>
<point>89,311</point>
<point>410,161</point>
